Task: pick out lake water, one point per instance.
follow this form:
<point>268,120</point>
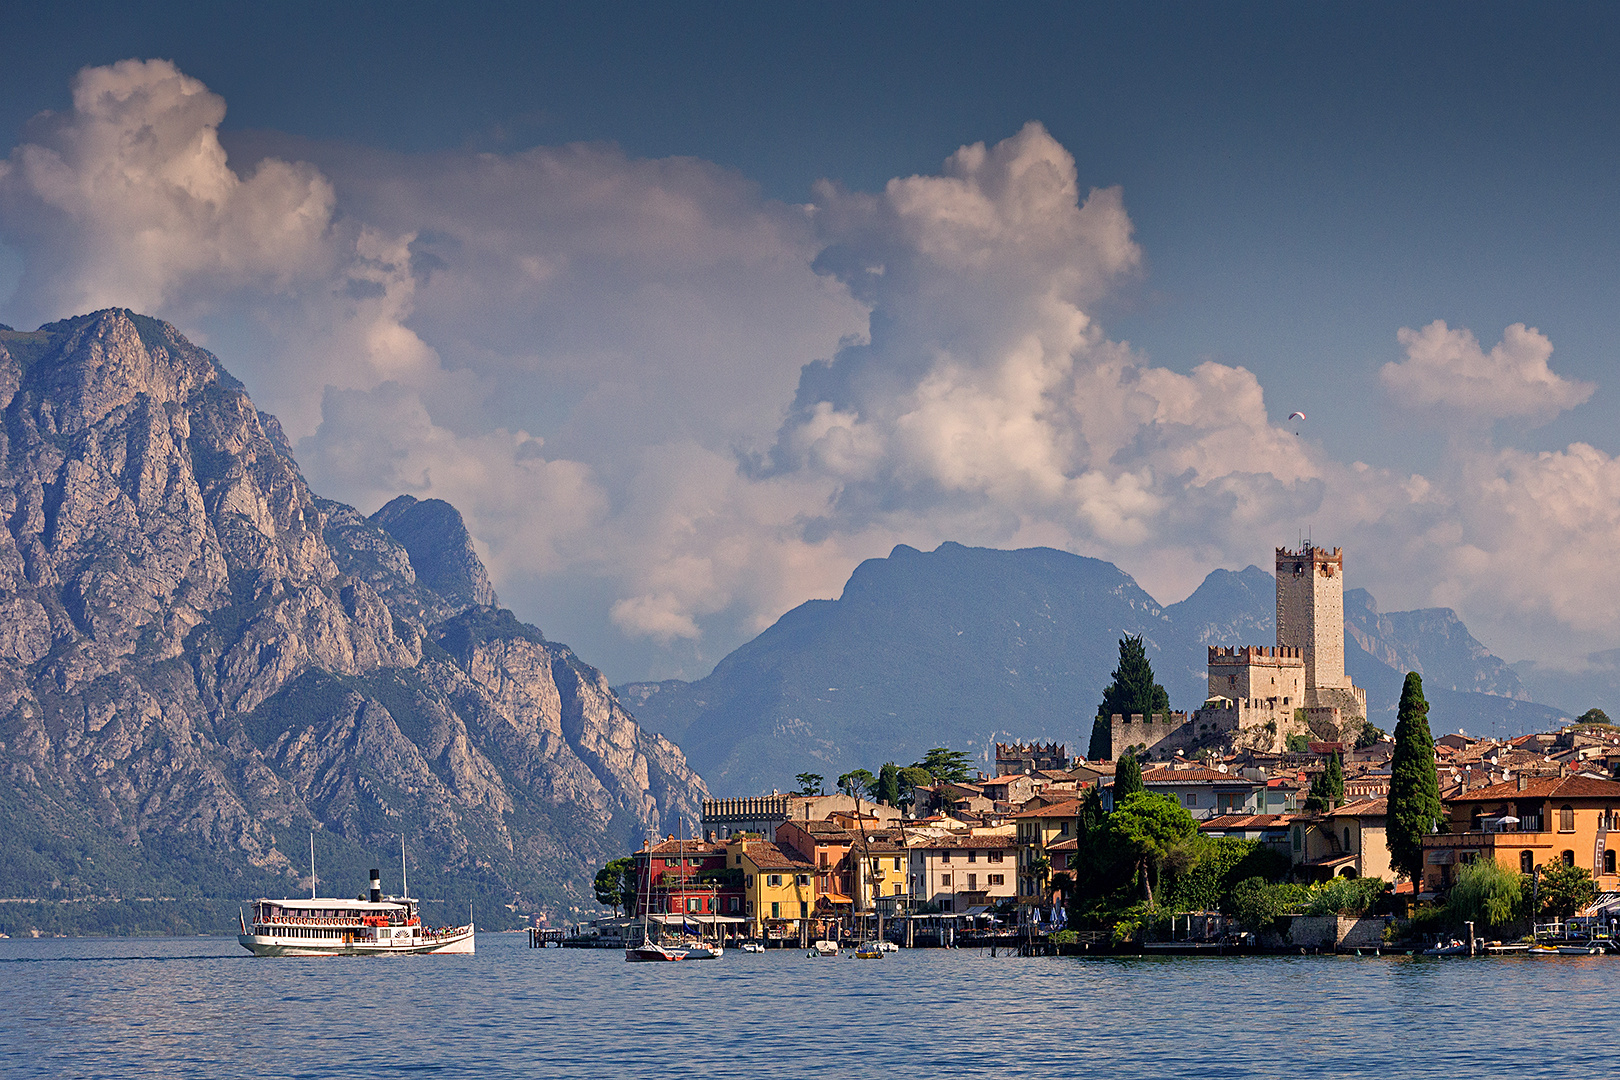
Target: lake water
<point>123,1008</point>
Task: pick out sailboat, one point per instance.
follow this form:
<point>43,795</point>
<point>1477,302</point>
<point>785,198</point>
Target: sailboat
<point>692,942</point>
<point>649,950</point>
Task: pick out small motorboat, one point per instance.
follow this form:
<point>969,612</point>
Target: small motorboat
<point>652,951</point>
<point>751,946</point>
<point>888,946</point>
<point>1543,950</point>
<point>868,950</point>
<point>1583,948</point>
<point>1447,948</point>
<point>823,948</point>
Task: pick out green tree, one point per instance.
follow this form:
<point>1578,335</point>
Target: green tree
<point>1414,789</point>
<point>810,783</point>
<point>1298,744</point>
<point>911,778</point>
<point>1148,828</point>
<point>857,782</point>
<point>1594,716</point>
<point>1132,691</point>
<point>1487,894</point>
<point>888,784</point>
<point>946,765</point>
<point>1370,734</point>
<point>1327,787</point>
<point>1565,889</point>
<point>615,884</point>
<point>1127,778</point>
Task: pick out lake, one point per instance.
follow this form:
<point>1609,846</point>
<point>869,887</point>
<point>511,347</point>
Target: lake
<point>122,1008</point>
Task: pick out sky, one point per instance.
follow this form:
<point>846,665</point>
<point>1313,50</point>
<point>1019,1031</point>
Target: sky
<point>691,308</point>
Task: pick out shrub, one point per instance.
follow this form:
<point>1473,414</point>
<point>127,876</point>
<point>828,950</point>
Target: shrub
<point>1351,897</point>
<point>1487,894</point>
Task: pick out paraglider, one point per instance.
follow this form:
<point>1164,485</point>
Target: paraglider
<point>1296,416</point>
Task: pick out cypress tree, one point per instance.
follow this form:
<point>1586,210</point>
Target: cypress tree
<point>1127,777</point>
<point>888,785</point>
<point>1414,789</point>
<point>1132,691</point>
<point>1327,787</point>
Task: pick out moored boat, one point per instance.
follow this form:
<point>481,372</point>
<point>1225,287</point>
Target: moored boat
<point>335,926</point>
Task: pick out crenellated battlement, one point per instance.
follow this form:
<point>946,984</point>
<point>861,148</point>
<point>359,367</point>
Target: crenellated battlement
<point>1219,654</point>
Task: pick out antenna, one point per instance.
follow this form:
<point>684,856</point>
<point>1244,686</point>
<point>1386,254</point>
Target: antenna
<point>312,864</point>
<point>404,882</point>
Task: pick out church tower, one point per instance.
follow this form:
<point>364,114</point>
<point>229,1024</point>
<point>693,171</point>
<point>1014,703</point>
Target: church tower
<point>1310,617</point>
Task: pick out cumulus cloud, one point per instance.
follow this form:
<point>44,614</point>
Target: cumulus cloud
<point>1446,369</point>
<point>670,409</point>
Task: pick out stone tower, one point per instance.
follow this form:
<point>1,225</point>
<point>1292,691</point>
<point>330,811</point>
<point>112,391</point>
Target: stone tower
<point>1310,617</point>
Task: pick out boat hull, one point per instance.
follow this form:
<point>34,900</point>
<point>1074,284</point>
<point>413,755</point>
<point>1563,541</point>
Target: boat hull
<point>460,944</point>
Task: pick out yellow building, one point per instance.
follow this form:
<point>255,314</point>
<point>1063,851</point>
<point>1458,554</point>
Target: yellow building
<point>1527,822</point>
<point>1039,828</point>
<point>779,887</point>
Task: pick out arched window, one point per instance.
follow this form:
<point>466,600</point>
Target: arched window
<point>1608,861</point>
<point>1566,818</point>
<point>1527,862</point>
<point>1569,857</point>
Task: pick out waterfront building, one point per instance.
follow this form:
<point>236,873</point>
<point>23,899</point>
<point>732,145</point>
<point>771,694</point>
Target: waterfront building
<point>1039,828</point>
<point>1527,822</point>
<point>962,875</point>
<point>779,887</point>
<point>1204,793</point>
<point>685,877</point>
<point>760,814</point>
<point>1349,841</point>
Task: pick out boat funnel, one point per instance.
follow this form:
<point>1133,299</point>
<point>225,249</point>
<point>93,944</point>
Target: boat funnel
<point>376,887</point>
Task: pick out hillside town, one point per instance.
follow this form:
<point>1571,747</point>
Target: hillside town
<point>1273,799</point>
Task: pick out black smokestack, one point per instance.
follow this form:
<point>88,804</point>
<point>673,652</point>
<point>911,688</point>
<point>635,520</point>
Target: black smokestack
<point>376,887</point>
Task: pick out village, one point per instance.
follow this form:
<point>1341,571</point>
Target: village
<point>1263,819</point>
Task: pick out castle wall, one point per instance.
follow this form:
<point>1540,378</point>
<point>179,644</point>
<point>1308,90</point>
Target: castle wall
<point>1258,671</point>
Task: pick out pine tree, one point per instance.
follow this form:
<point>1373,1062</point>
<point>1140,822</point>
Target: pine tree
<point>1132,691</point>
<point>1127,777</point>
<point>1414,789</point>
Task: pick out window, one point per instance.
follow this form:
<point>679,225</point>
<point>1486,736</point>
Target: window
<point>1063,830</point>
<point>998,879</point>
<point>774,881</point>
<point>973,856</point>
<point>736,905</point>
<point>1566,818</point>
<point>944,856</point>
<point>944,879</point>
<point>1190,799</point>
<point>694,904</point>
<point>750,907</point>
<point>973,882</point>
<point>739,860</point>
<point>804,909</point>
<point>825,879</point>
<point>897,862</point>
<point>1299,837</point>
<point>748,881</point>
<point>1347,846</point>
<point>804,879</point>
<point>1527,862</point>
<point>1608,861</point>
<point>1568,857</point>
<point>776,909</point>
<point>824,860</point>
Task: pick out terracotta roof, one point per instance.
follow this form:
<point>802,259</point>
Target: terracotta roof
<point>963,843</point>
<point>1188,776</point>
<point>1063,808</point>
<point>1071,844</point>
<point>769,856</point>
<point>1544,787</point>
<point>1246,821</point>
<point>688,847</point>
<point>1362,808</point>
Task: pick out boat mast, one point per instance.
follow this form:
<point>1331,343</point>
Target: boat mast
<point>404,882</point>
<point>312,865</point>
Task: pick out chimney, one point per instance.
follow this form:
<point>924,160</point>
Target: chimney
<point>376,887</point>
<point>1524,781</point>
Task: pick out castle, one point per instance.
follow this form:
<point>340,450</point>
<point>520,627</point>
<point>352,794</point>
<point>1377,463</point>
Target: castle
<point>1259,695</point>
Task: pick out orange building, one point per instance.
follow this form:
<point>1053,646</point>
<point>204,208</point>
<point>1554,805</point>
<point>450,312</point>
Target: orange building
<point>1528,822</point>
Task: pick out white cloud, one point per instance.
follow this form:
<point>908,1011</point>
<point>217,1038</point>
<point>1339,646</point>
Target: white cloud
<point>1446,369</point>
<point>611,367</point>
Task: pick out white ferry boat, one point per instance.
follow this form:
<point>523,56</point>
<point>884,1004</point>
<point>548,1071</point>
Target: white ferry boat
<point>333,926</point>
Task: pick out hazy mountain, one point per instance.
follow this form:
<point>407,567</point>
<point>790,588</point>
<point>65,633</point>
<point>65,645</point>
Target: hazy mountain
<point>1594,683</point>
<point>202,663</point>
<point>962,646</point>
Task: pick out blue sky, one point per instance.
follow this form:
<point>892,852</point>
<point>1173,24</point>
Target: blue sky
<point>1300,182</point>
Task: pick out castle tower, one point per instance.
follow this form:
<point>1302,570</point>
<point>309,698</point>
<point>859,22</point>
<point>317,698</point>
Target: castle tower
<point>1310,617</point>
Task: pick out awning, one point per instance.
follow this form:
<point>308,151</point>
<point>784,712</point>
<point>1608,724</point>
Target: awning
<point>676,918</point>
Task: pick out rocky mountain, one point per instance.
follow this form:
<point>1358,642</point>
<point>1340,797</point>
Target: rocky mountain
<point>202,663</point>
<point>965,646</point>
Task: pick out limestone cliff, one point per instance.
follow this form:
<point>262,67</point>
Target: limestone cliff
<point>201,662</point>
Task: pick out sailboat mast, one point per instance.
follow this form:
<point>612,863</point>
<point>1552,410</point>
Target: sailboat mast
<point>404,882</point>
<point>312,865</point>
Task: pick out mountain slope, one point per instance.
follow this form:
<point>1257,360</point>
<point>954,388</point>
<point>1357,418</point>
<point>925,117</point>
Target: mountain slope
<point>962,646</point>
<point>201,663</point>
